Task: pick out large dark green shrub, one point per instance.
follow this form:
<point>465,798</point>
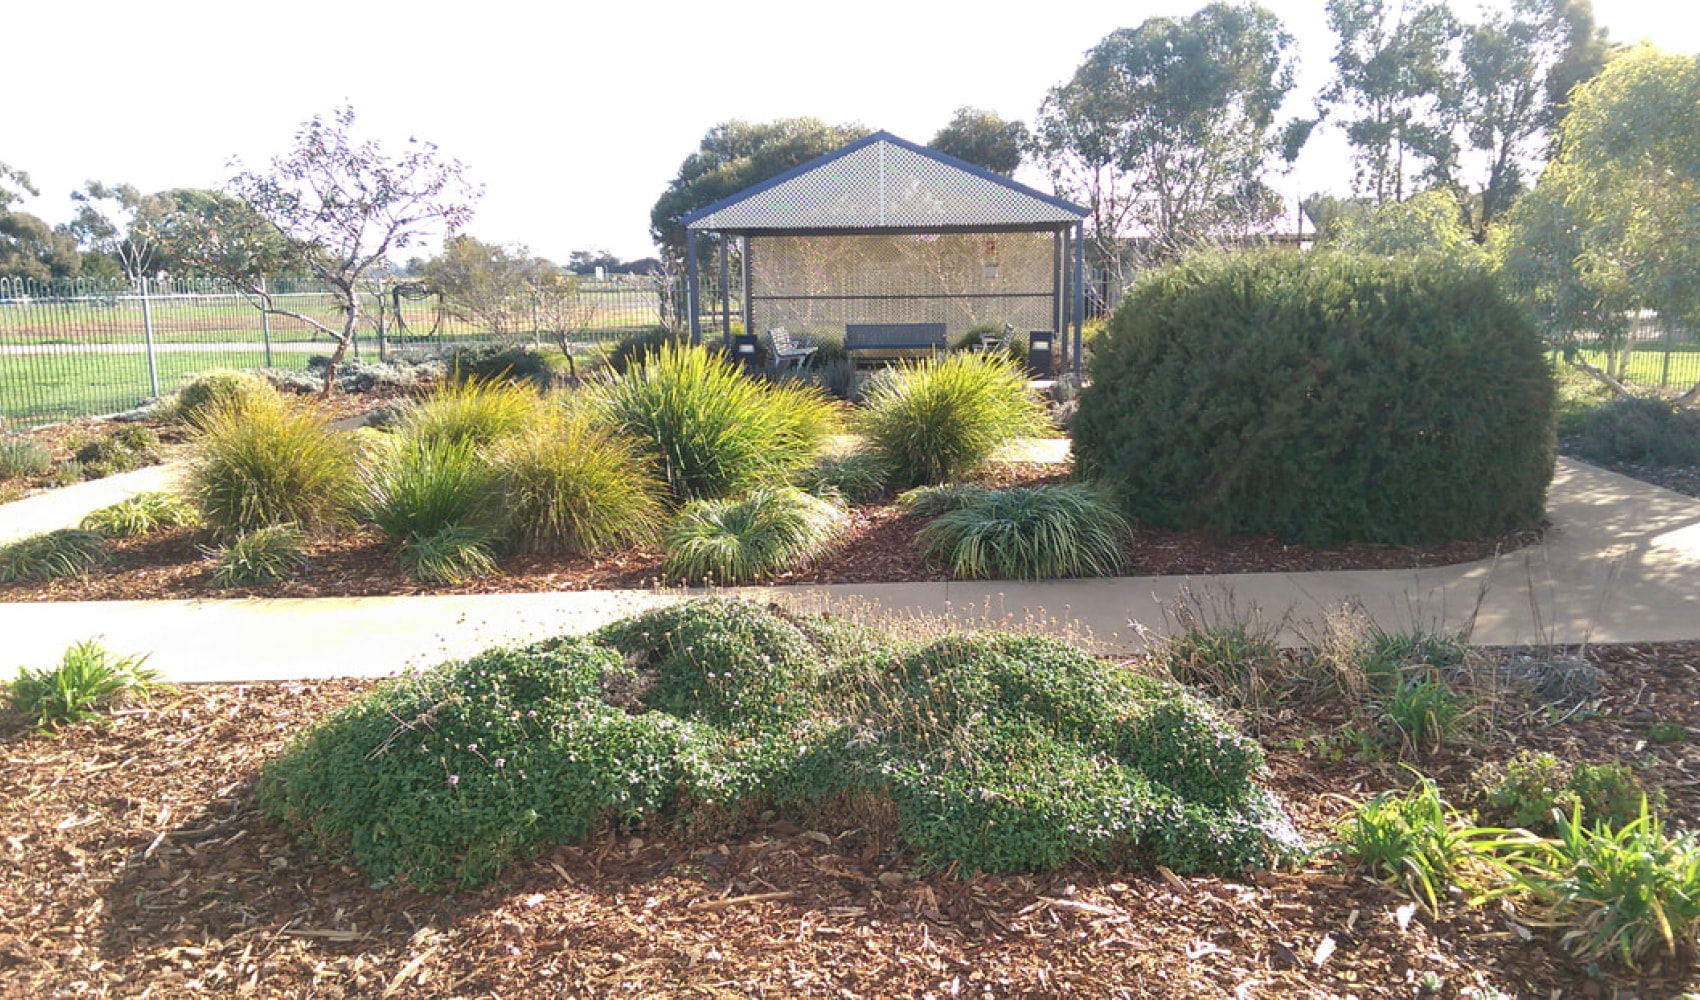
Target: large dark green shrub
<point>994,752</point>
<point>1321,398</point>
<point>499,363</point>
<point>1637,429</point>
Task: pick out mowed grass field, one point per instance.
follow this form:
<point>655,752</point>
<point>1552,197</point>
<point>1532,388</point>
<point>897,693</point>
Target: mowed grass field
<point>229,318</point>
<point>42,389</point>
<point>1647,366</point>
<point>67,358</point>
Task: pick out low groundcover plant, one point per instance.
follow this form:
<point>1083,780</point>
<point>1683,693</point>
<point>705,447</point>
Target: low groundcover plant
<point>989,752</point>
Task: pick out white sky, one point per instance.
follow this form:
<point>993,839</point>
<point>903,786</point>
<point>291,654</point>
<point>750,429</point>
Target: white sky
<point>573,116</point>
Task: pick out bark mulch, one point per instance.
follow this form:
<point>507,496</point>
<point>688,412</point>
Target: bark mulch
<point>877,545</point>
<point>136,865</point>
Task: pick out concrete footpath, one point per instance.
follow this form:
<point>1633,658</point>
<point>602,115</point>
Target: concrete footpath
<point>1621,563</point>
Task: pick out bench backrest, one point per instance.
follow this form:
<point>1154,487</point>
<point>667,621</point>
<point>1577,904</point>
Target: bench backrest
<point>782,342</point>
<point>893,336</point>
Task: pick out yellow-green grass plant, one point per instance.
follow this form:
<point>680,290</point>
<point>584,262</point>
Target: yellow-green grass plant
<point>87,679</point>
<point>712,431</point>
<point>270,462</point>
<point>476,412</point>
<point>739,541</point>
<point>1626,892</point>
<point>142,514</point>
<point>573,485</point>
<point>936,421</point>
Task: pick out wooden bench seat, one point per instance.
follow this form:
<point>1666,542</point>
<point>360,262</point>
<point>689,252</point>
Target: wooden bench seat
<point>870,340</point>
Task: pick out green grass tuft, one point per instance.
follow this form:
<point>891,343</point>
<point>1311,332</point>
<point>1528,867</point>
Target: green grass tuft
<point>454,554</point>
<point>425,485</point>
<point>265,555</point>
<point>740,541</point>
<point>712,431</point>
<point>142,514</point>
<point>51,555</point>
<point>1031,533</point>
<point>87,678</point>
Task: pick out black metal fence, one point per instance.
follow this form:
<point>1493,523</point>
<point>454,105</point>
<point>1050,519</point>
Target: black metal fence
<point>80,348</point>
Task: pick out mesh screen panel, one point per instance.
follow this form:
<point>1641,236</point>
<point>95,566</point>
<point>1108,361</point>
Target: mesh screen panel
<point>817,284</point>
<point>885,185</point>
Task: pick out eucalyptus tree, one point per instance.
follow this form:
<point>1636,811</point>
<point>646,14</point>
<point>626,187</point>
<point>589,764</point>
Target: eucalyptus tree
<point>332,208</point>
<point>1165,130</point>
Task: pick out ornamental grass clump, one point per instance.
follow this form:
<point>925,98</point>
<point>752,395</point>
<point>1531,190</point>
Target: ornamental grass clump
<point>570,485</point>
<point>936,421</point>
<point>986,752</point>
<point>1029,533</point>
<point>453,555</point>
<point>768,531</point>
<point>475,413</point>
<point>269,463</point>
<point>255,558</point>
<point>1321,398</point>
<point>423,485</point>
<point>710,430</point>
<point>52,555</point>
<point>142,514</point>
<point>215,390</point>
<point>86,680</point>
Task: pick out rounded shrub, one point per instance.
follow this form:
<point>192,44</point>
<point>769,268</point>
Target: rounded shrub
<point>739,541</point>
<point>710,429</point>
<point>211,390</point>
<point>1031,533</point>
<point>570,485</point>
<point>270,463</point>
<point>1321,398</point>
<point>636,347</point>
<point>500,363</point>
<point>1639,429</point>
<point>938,420</point>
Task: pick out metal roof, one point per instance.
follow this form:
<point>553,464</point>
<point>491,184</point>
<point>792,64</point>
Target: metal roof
<point>884,183</point>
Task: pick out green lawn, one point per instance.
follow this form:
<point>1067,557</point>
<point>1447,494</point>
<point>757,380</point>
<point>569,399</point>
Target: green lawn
<point>1647,366</point>
<point>40,389</point>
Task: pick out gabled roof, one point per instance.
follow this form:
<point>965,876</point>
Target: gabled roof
<point>883,182</point>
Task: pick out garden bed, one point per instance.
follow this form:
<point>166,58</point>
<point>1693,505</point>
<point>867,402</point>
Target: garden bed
<point>135,862</point>
<point>876,545</point>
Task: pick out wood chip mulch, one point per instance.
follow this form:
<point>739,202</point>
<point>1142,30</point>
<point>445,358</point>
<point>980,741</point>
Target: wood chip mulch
<point>133,863</point>
<point>877,545</point>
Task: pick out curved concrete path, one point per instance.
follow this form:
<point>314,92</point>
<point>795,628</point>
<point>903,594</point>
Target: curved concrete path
<point>1621,563</point>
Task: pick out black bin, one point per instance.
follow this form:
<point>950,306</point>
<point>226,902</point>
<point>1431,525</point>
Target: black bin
<point>747,352</point>
<point>1042,353</point>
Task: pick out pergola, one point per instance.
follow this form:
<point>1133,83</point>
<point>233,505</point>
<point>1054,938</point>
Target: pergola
<point>885,231</point>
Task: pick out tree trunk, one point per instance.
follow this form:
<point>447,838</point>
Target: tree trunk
<point>343,341</point>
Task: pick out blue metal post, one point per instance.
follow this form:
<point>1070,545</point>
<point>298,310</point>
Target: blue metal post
<point>691,283</point>
<point>1079,289</point>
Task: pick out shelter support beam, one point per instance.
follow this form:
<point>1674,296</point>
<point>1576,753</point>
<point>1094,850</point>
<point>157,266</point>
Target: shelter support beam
<point>691,301</point>
<point>1079,298</point>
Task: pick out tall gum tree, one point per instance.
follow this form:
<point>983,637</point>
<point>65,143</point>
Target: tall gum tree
<point>1165,131</point>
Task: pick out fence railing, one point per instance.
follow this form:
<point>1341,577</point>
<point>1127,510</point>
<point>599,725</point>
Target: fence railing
<point>79,348</point>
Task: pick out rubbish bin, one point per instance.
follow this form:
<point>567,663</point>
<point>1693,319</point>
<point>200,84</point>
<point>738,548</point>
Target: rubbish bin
<point>745,349</point>
<point>1041,353</point>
